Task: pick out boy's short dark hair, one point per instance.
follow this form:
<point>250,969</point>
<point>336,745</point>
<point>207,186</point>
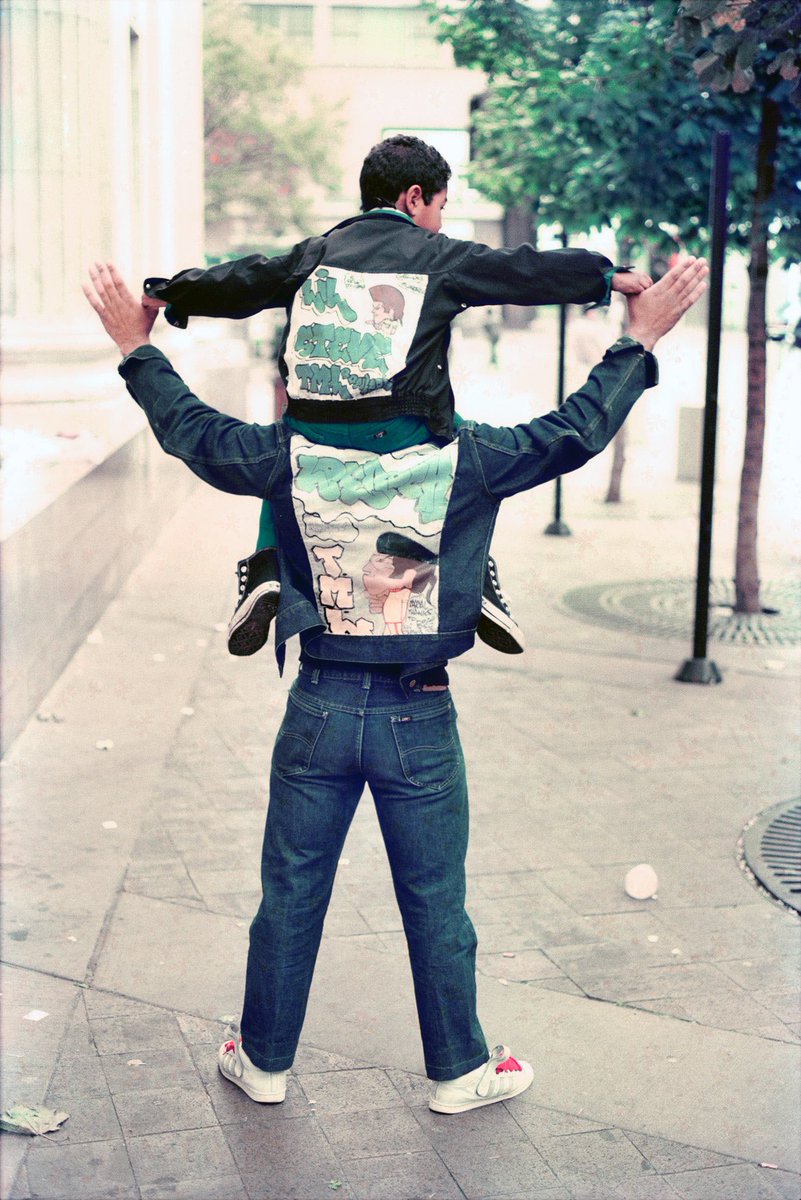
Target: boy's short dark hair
<point>395,164</point>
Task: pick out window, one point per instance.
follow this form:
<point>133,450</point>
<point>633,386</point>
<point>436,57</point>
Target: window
<point>383,36</point>
<point>292,21</point>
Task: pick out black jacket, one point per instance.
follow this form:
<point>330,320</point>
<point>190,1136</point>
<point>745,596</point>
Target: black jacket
<point>370,305</point>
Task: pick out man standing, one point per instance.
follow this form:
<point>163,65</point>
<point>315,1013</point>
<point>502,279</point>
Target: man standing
<point>367,708</point>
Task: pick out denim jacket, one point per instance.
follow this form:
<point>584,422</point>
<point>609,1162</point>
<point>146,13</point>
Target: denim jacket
<point>382,556</point>
<point>369,310</point>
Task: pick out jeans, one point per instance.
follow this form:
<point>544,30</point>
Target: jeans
<point>344,728</point>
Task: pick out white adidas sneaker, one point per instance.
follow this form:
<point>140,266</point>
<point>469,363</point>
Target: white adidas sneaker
<point>498,1079</point>
<point>265,1087</point>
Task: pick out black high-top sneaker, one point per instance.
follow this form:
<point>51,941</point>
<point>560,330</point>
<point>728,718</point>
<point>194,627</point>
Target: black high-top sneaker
<point>259,592</point>
<point>496,626</point>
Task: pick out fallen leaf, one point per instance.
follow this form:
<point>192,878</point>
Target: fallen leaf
<point>104,744</point>
<point>20,1118</point>
<point>508,954</point>
<point>109,824</point>
<point>159,658</point>
<point>135,1062</point>
<point>334,1184</point>
<point>95,638</point>
<point>187,711</point>
<point>770,1166</point>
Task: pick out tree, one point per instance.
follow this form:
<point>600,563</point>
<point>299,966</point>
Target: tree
<point>596,111</point>
<point>266,140</point>
<point>752,48</point>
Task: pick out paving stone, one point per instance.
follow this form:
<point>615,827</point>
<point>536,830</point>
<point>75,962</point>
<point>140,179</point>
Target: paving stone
<point>200,1031</point>
<point>482,1172</point>
<point>724,1183</point>
<point>166,1158</point>
<point>77,1078</point>
<point>606,1154</point>
<point>134,1033</point>
<point>526,965</point>
<point>763,974</point>
<point>292,1160</point>
<point>367,1134</point>
<point>538,1122</point>
<point>413,1176</point>
<point>416,1090</point>
<point>310,1060</point>
<point>225,1187</point>
<point>784,1005</point>
<point>485,1127</point>
<point>649,1187</point>
<point>650,983</point>
<point>92,1119</point>
<point>143,1112</point>
<point>89,1171</point>
<point>665,1156</point>
<point>19,1189</point>
<point>557,985</point>
<point>109,1004</point>
<point>174,1064</point>
<point>350,1091</point>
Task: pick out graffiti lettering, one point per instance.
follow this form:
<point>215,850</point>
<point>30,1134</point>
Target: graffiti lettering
<point>320,293</point>
<point>338,344</point>
<point>427,480</point>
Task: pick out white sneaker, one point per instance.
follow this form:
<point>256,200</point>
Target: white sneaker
<point>499,1079</point>
<point>265,1087</point>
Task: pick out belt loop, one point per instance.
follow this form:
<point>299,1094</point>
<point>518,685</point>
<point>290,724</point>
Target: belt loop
<point>315,675</point>
<point>366,681</point>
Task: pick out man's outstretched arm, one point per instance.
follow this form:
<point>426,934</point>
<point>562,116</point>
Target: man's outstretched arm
<point>520,457</point>
<point>229,454</point>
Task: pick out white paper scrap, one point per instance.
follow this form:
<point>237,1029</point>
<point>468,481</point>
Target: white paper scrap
<point>36,1014</point>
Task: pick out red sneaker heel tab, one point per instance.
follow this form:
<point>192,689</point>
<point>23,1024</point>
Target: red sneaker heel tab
<point>510,1064</point>
<point>229,1047</point>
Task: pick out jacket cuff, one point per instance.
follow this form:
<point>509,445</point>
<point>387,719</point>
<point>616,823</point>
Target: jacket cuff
<point>627,344</point>
<point>153,286</point>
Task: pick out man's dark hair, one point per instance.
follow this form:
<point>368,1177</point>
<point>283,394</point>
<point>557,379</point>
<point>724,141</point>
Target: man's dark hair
<point>395,164</point>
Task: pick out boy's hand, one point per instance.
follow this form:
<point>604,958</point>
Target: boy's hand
<point>152,302</point>
<point>656,310</point>
<point>125,320</point>
<point>630,283</point>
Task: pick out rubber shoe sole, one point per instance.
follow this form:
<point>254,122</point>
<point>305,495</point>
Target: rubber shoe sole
<point>250,625</point>
<point>500,631</point>
<point>275,1094</point>
<point>520,1085</point>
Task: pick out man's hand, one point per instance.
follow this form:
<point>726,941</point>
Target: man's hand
<point>125,320</point>
<point>656,310</point>
<point>631,283</point>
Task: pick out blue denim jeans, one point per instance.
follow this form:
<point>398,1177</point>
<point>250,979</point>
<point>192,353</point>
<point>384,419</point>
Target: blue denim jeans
<point>344,729</point>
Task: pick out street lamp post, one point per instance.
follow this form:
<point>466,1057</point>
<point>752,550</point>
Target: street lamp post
<point>700,668</point>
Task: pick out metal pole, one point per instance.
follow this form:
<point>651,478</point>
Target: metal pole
<point>557,527</point>
<point>699,668</point>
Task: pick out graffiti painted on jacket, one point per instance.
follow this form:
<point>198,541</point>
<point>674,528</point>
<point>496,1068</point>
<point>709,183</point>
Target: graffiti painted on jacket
<point>350,332</point>
<point>371,525</point>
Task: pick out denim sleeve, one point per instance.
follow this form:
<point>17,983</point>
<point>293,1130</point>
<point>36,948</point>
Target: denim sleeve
<point>223,451</point>
<point>515,458</point>
<point>528,276</point>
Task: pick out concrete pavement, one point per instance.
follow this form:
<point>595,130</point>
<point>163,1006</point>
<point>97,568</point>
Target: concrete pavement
<point>665,1033</point>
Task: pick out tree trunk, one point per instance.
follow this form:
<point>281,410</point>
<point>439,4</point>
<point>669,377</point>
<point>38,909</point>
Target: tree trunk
<point>519,225</point>
<point>746,571</point>
<point>618,462</point>
<point>613,491</point>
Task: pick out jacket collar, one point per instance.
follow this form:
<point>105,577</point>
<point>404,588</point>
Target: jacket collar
<point>374,214</point>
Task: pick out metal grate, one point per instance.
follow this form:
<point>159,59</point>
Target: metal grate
<point>772,850</point>
<point>666,607</point>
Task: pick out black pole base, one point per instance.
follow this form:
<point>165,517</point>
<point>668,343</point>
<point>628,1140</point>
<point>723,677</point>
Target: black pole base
<point>558,529</point>
<point>699,670</point>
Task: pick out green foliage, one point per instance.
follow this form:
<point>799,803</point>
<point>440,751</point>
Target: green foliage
<point>265,140</point>
<point>593,116</point>
<point>741,44</point>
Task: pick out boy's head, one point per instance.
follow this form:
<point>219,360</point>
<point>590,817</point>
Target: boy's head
<point>404,172</point>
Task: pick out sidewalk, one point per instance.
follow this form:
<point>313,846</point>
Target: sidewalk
<point>665,1033</point>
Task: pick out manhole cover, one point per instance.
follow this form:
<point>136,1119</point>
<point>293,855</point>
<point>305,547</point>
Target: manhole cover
<point>666,608</point>
<point>772,850</point>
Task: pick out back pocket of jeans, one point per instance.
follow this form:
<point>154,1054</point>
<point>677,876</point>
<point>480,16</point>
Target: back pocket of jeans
<point>297,738</point>
<point>428,750</point>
